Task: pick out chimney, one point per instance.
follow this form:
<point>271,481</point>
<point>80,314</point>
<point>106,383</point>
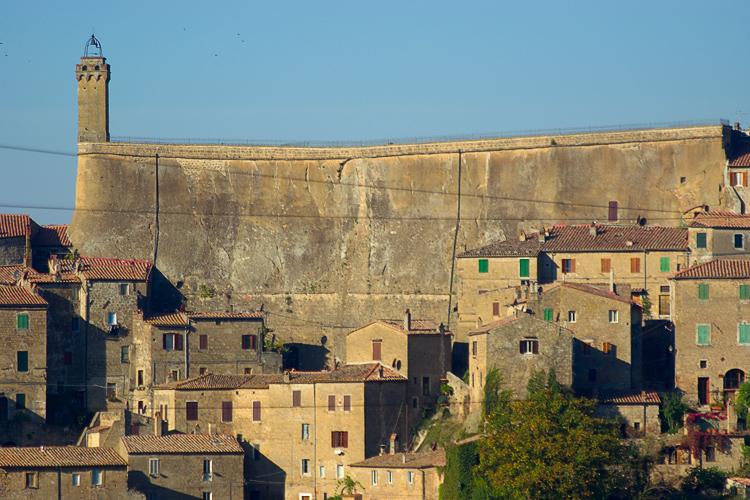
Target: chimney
<point>158,424</point>
<point>407,320</point>
<point>522,236</point>
<point>210,428</point>
<point>382,450</point>
<point>611,280</point>
<point>441,329</point>
<point>394,444</point>
<point>285,377</point>
<point>542,235</point>
<point>592,229</point>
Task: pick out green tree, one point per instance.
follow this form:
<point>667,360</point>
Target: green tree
<point>742,402</point>
<point>496,402</point>
<point>672,411</point>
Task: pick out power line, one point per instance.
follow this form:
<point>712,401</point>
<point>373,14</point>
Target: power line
<point>36,150</point>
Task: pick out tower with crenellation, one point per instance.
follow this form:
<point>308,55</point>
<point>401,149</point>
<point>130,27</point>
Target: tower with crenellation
<point>93,94</point>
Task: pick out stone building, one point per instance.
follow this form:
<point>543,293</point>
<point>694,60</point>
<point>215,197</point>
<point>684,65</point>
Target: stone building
<point>719,234</point>
<point>638,258</point>
<point>711,330</point>
<point>420,350</point>
<point>69,472</point>
<point>181,466</point>
<point>16,232</point>
<point>607,350</point>
<point>301,430</point>
<point>23,356</point>
<point>400,475</point>
<point>636,411</point>
<point>519,347</point>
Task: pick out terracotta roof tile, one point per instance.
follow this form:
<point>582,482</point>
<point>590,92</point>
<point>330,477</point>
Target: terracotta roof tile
<point>628,397</point>
<point>19,296</point>
<point>564,238</point>
<point>13,225</point>
<point>222,315</point>
<point>7,276</point>
<point>361,372</point>
<point>588,289</point>
<point>720,219</point>
<point>404,460</point>
<point>108,269</point>
<point>511,319</point>
<point>52,236</point>
<point>719,268</point>
<point>182,444</point>
<point>418,326</point>
<point>59,456</point>
<point>741,480</point>
<point>740,155</point>
<point>167,319</point>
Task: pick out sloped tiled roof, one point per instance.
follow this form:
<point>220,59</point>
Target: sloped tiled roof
<point>182,444</point>
<point>404,460</point>
<point>167,319</point>
<point>14,225</point>
<point>361,372</point>
<point>417,327</point>
<point>19,296</point>
<point>740,154</point>
<point>506,321</point>
<point>588,289</point>
<point>52,236</point>
<point>628,397</point>
<point>108,269</point>
<point>6,274</point>
<point>720,219</point>
<point>32,275</point>
<point>59,456</point>
<point>578,238</point>
<point>224,315</point>
<point>717,269</point>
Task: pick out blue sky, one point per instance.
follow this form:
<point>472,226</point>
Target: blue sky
<point>355,70</point>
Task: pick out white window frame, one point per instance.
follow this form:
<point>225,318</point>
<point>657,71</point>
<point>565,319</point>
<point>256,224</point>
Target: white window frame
<point>304,466</point>
<point>572,316</point>
<point>322,471</point>
<point>374,478</point>
<point>614,316</point>
<point>124,287</point>
<point>390,477</point>
<point>97,474</point>
<point>339,471</point>
<point>410,477</point>
<point>75,480</point>
<point>153,466</point>
<point>305,432</point>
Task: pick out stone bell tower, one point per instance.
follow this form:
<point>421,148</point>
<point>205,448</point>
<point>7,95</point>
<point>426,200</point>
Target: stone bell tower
<point>93,94</point>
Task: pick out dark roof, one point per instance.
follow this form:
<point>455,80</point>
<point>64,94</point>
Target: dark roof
<point>740,154</point>
<point>720,219</point>
<point>718,269</point>
<point>417,326</point>
<point>578,238</point>
<point>628,397</point>
<point>14,225</point>
<point>59,456</point>
<point>19,296</point>
<point>511,319</point>
<point>405,460</point>
<point>52,236</point>
<point>182,443</point>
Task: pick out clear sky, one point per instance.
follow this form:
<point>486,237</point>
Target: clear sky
<point>355,70</point>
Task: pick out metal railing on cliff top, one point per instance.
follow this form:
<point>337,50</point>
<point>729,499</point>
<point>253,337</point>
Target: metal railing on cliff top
<point>423,140</point>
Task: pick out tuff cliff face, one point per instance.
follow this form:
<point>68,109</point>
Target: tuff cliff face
<point>331,238</point>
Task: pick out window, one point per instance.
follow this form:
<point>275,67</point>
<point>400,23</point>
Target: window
<point>568,266</point>
<point>744,334</point>
<point>207,495</point>
<point>331,402</point>
<point>305,466</point>
<point>572,316</point>
<point>111,390</point>
<point>76,480</point>
<point>322,471</point>
<point>296,399</point>
<point>20,401</point>
<point>175,375</point>
<point>124,289</point>
<point>738,241</point>
<point>613,316</point>
<point>22,361</point>
<point>523,270</point>
<point>22,321</point>
<point>529,346</point>
<point>248,342</point>
<point>613,213</point>
<point>607,348</point>
<point>172,341</point>
<point>703,364</point>
<point>700,240</point>
<point>587,348</point>
<point>664,289</point>
<point>606,265</point>
<point>474,348</point>
<point>125,354</point>
<point>208,470</point>
<point>347,402</point>
<point>67,358</point>
<point>704,335</point>
<point>702,292</point>
<point>339,471</point>
<point>191,410</point>
<point>425,386</point>
<point>153,466</point>
<point>203,342</point>
<point>484,266</point>
<point>339,439</point>
<point>390,477</point>
<point>744,292</point>
<point>248,371</point>
<point>592,374</point>
<point>548,315</point>
<point>256,411</point>
<point>75,325</point>
<point>496,308</point>
<point>374,477</point>
<point>635,265</point>
<point>305,431</point>
<point>410,477</point>
<point>140,377</point>
<point>202,370</point>
<point>255,455</point>
<point>664,264</point>
<point>415,401</point>
<point>226,411</point>
<point>32,480</point>
<point>664,305</point>
<point>142,411</point>
<point>97,477</point>
<point>111,318</point>
<point>376,350</point>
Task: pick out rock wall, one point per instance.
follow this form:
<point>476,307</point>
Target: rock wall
<point>328,239</point>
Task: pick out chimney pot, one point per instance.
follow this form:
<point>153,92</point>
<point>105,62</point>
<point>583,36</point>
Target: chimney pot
<point>592,229</point>
<point>407,320</point>
<point>157,424</point>
<point>522,236</point>
<point>393,443</point>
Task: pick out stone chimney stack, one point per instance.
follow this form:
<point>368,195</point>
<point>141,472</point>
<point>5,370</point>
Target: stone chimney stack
<point>394,444</point>
<point>158,424</point>
<point>542,235</point>
<point>407,320</point>
<point>592,229</point>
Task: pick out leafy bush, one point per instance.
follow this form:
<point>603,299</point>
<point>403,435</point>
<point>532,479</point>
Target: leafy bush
<point>698,479</point>
<point>672,411</point>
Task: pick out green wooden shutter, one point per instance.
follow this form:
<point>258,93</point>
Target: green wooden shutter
<point>23,321</point>
<point>704,335</point>
<point>664,264</point>
<point>548,315</point>
<point>744,292</point>
<point>484,266</point>
<point>524,268</point>
<point>744,334</point>
<point>700,240</point>
<point>22,358</point>
<point>703,292</point>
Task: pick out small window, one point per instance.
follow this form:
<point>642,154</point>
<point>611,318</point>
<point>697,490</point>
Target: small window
<point>374,477</point>
<point>347,403</point>
<point>683,180</point>
<point>703,364</point>
<point>592,374</point>
<point>207,495</point>
<point>111,390</point>
<point>702,292</point>
<point>153,466</point>
<point>523,270</point>
<point>226,411</point>
<point>664,264</point>
<point>305,466</point>
<point>191,410</point>
<point>202,370</point>
<point>635,265</point>
<point>548,315</point>
<point>22,321</point>
<point>111,318</point>
<point>606,265</point>
<point>175,374</point>
<point>124,289</point>
<point>22,361</point>
<point>248,342</point>
<point>331,402</point>
<point>496,308</point>
<point>744,331</point>
<point>339,439</point>
<point>296,399</point>
<point>664,289</point>
<point>529,346</point>
<point>203,342</point>
<point>703,335</point>
<point>484,266</point>
<point>425,386</point>
<point>376,350</point>
<point>248,371</point>
<point>613,316</point>
<point>322,471</point>
<point>125,354</point>
<point>97,477</point>
<point>256,411</point>
<point>607,348</point>
<point>389,475</point>
<point>76,480</point>
<point>75,325</point>
<point>572,316</point>
<point>208,467</point>
<point>474,348</point>
<point>172,341</point>
<point>67,358</point>
<point>32,480</point>
<point>738,241</point>
<point>20,401</point>
<point>614,211</point>
<point>744,292</point>
<point>700,240</point>
<point>568,266</point>
<point>339,471</point>
<point>410,477</point>
<point>305,431</point>
<point>587,348</point>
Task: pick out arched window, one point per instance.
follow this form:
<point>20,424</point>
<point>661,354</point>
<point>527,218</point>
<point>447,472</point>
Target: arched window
<point>733,379</point>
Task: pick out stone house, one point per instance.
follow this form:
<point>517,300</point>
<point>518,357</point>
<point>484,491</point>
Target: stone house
<point>23,357</point>
<point>300,429</point>
<point>719,234</point>
<point>69,472</point>
<point>607,328</point>
<point>711,330</point>
<point>639,258</point>
<point>16,232</point>
<point>400,475</point>
<point>636,411</point>
<point>48,241</point>
<point>418,349</point>
<point>518,347</point>
<point>185,466</point>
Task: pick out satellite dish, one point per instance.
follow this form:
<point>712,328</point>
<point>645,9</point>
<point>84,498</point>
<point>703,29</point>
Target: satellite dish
<point>16,274</point>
